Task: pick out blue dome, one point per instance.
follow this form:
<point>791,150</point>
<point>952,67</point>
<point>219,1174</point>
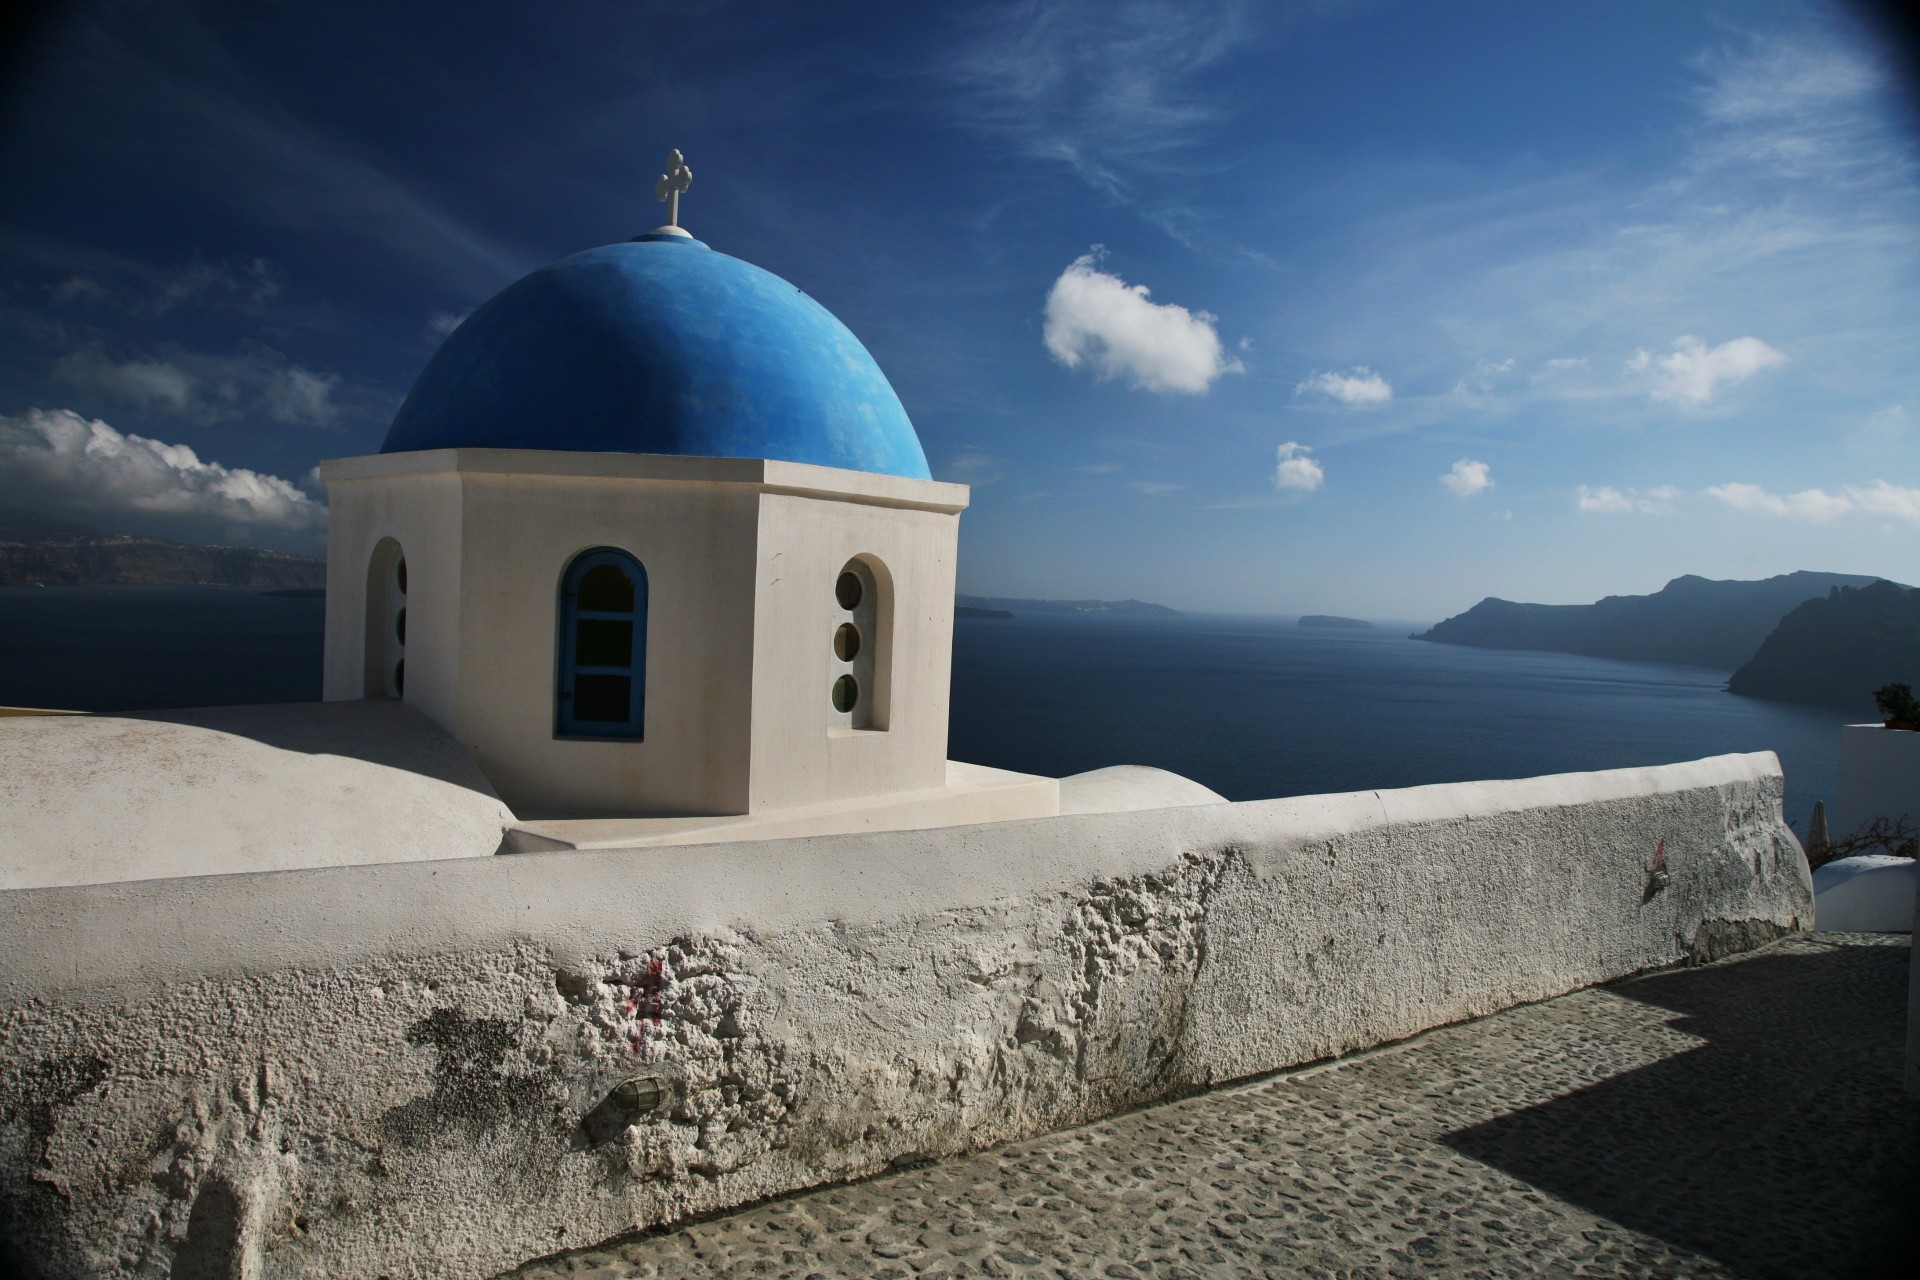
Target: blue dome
<point>659,345</point>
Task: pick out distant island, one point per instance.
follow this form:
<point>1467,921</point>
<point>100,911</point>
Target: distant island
<point>1334,620</point>
<point>1838,649</point>
<point>1692,621</point>
<point>968,611</point>
<point>998,606</point>
<point>41,551</point>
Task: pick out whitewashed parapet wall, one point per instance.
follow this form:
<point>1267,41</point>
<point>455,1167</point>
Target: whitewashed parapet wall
<point>442,1069</point>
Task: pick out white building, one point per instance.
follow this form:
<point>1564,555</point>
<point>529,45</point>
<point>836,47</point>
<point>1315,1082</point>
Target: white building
<point>653,537</point>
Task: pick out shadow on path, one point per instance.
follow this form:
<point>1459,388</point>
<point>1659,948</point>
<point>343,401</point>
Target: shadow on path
<point>1782,1147</point>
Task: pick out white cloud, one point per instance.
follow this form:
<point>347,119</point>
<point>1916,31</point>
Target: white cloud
<point>1818,506</point>
<point>1100,320</point>
<point>1467,477</point>
<point>1360,387</point>
<point>1603,498</point>
<point>1607,500</point>
<point>1693,371</point>
<point>294,394</point>
<point>208,388</point>
<point>61,462</point>
<point>1296,470</point>
<point>151,384</point>
<point>970,466</point>
<point>1153,488</point>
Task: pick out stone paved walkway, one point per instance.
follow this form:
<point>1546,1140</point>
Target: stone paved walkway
<point>1743,1119</point>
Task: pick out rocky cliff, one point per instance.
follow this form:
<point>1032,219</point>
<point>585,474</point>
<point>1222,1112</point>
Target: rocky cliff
<point>1838,649</point>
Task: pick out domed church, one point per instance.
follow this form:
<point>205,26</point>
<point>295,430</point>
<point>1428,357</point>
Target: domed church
<point>653,537</point>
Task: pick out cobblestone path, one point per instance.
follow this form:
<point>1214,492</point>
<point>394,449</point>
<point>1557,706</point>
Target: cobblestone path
<point>1743,1119</point>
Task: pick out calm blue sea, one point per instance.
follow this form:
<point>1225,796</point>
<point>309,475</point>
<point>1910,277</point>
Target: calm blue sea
<point>1252,707</point>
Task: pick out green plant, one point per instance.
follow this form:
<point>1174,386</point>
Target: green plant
<point>1896,702</point>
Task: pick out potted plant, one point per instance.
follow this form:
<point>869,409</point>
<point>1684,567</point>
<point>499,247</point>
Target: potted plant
<point>1899,706</point>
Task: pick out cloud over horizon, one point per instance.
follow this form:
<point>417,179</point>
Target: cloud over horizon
<point>1098,319</point>
<point>61,463</point>
<point>1607,500</point>
<point>1817,506</point>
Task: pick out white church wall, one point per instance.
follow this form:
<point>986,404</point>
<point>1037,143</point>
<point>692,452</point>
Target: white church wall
<point>419,509</point>
<point>696,545</point>
<point>800,754</point>
<point>736,631</point>
<point>418,1069</point>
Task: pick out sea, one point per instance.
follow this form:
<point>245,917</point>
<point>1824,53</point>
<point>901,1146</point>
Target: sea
<point>1252,707</point>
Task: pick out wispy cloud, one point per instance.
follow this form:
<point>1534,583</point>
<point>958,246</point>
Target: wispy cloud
<point>62,463</point>
<point>1817,506</point>
<point>278,165</point>
<point>1297,470</point>
<point>971,466</point>
<point>1099,320</point>
<point>1154,488</point>
<point>1110,91</point>
<point>1693,371</point>
<point>1607,500</point>
<point>206,387</point>
<point>442,323</point>
<point>1467,478</point>
<point>1360,387</point>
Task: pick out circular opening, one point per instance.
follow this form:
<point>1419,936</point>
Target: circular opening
<point>400,574</point>
<point>400,678</point>
<point>849,590</point>
<point>846,692</point>
<point>400,624</point>
<point>846,642</point>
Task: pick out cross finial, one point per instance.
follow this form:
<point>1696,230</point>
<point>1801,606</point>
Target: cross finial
<point>676,179</point>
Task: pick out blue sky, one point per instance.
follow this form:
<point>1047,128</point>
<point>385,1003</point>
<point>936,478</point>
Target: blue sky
<point>1369,308</point>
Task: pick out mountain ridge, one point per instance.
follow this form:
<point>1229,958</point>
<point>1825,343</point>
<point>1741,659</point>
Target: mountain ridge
<point>1692,621</point>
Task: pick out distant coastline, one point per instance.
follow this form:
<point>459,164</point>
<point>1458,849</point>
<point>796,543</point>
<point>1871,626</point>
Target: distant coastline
<point>110,560</point>
<point>1009,606</point>
<point>1336,621</point>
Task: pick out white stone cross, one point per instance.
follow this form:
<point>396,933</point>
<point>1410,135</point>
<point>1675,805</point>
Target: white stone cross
<point>676,179</point>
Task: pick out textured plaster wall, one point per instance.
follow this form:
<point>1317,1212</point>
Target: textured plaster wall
<point>442,1069</point>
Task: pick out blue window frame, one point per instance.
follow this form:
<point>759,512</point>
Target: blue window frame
<point>601,687</point>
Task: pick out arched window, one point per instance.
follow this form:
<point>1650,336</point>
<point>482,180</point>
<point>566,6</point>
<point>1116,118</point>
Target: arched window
<point>601,689</point>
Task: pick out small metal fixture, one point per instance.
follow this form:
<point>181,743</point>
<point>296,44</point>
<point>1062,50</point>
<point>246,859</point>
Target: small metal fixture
<point>1657,877</point>
<point>630,1101</point>
<point>638,1096</point>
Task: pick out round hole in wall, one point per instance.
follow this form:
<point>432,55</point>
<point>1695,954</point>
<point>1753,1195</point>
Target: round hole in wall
<point>848,590</point>
<point>846,642</point>
<point>846,692</point>
<point>400,574</point>
<point>400,678</point>
<point>400,624</point>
